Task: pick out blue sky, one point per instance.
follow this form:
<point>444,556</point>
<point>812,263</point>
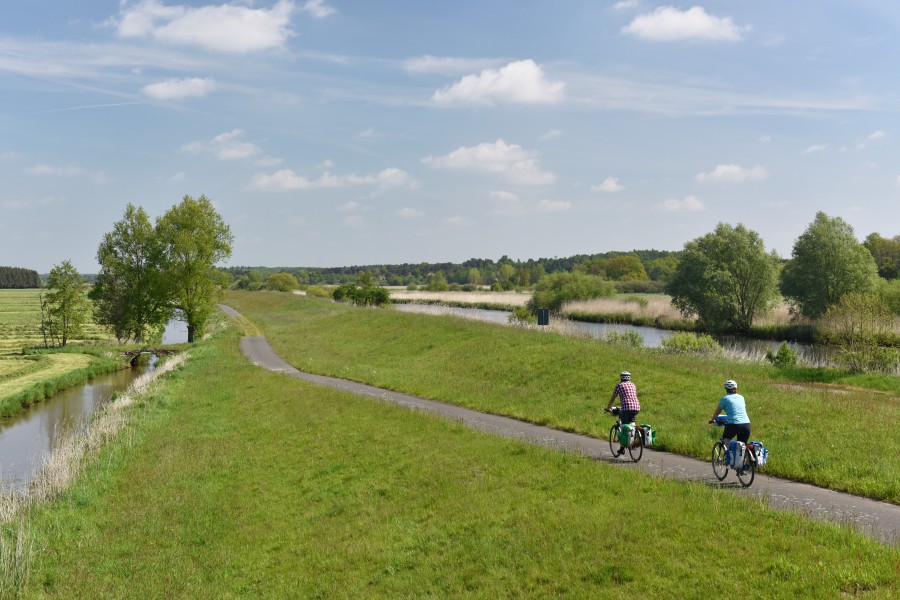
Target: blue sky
<point>339,132</point>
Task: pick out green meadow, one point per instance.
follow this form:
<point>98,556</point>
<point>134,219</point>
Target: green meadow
<point>234,482</point>
<point>814,432</point>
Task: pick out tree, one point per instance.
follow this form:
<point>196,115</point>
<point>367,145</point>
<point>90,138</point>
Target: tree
<point>194,239</point>
<point>856,324</point>
<point>438,283</point>
<point>827,262</point>
<point>64,308</point>
<point>474,276</point>
<point>131,295</point>
<point>364,292</point>
<point>726,279</point>
<point>554,290</point>
<point>886,253</point>
<point>282,282</point>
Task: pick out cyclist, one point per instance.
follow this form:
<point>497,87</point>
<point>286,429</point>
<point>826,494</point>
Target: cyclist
<point>627,393</point>
<point>735,408</point>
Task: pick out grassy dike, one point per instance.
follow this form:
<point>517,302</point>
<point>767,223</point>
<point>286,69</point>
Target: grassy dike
<point>234,482</point>
<point>833,437</point>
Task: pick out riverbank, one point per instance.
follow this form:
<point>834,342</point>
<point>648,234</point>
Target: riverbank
<point>561,381</point>
<point>252,484</point>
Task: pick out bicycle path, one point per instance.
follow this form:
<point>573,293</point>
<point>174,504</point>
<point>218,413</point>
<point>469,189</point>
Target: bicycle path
<point>877,519</point>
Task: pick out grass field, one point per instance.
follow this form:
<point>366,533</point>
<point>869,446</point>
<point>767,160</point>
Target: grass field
<point>234,482</point>
<point>811,430</point>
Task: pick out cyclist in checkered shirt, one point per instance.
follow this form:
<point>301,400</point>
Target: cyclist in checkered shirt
<point>627,393</point>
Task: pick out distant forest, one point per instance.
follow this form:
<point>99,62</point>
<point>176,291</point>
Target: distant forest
<point>642,265</point>
<point>16,278</point>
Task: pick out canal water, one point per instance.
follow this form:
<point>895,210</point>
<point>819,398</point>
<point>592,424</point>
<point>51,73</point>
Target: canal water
<point>653,337</point>
<point>28,438</point>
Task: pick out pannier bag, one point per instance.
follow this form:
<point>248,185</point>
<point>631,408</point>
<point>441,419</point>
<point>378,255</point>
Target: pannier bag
<point>626,434</point>
<point>735,454</point>
<point>762,455</point>
<point>649,435</point>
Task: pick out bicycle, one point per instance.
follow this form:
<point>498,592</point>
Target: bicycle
<point>746,473</point>
<point>635,448</point>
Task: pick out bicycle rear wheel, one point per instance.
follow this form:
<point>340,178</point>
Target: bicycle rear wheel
<point>748,472</point>
<point>614,445</point>
<point>636,449</point>
<point>720,467</point>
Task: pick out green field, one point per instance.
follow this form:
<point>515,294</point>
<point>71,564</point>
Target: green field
<point>20,323</point>
<point>235,482</point>
<point>813,432</point>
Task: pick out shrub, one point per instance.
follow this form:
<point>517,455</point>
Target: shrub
<point>318,291</point>
<point>683,342</point>
<point>522,315</point>
<point>556,289</point>
<point>785,357</point>
<point>629,338</point>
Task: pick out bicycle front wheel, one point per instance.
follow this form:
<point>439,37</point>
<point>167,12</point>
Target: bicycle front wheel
<point>748,472</point>
<point>636,449</point>
<point>614,445</point>
<point>720,467</point>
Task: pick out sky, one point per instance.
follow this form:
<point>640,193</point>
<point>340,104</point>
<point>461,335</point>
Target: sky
<point>335,133</point>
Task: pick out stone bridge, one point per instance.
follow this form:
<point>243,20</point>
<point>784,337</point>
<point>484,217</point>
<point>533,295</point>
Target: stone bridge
<point>133,355</point>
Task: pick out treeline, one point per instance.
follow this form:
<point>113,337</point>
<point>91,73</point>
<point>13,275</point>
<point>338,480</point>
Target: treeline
<point>634,266</point>
<point>16,278</point>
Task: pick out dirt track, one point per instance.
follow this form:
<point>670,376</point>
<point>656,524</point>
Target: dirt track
<point>877,519</point>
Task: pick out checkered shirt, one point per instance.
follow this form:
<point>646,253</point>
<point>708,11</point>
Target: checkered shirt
<point>627,393</point>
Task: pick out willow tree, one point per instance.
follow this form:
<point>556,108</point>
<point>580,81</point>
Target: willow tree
<point>65,307</point>
<point>726,278</point>
<point>194,239</point>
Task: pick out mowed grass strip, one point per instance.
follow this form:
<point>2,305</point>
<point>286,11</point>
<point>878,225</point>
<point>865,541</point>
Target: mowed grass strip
<point>240,483</point>
<point>51,365</point>
<point>813,433</point>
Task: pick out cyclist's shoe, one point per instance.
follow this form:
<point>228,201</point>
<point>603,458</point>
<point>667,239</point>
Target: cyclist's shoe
<point>620,452</point>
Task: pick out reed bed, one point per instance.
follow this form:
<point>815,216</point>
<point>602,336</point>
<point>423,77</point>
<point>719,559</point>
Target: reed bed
<point>483,298</point>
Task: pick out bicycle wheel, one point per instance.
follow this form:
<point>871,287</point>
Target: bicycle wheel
<point>720,467</point>
<point>614,445</point>
<point>748,472</point>
<point>636,449</point>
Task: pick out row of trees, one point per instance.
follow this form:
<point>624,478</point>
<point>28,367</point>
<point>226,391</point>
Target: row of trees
<point>148,272</point>
<point>16,278</point>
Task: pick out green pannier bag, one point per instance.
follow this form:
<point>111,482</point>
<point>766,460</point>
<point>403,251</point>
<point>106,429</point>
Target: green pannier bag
<point>626,434</point>
<point>649,435</point>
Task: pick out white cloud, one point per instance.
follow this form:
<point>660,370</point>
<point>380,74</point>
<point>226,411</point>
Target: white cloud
<point>175,89</point>
<point>410,213</point>
<point>318,8</point>
<point>667,24</point>
<point>454,221</point>
<point>225,146</point>
<point>447,65</point>
<point>510,160</point>
<point>610,184</point>
<point>764,139</point>
<point>877,135</point>
<point>268,161</point>
<point>625,4</point>
<point>366,133</point>
<point>354,222</point>
<point>325,164</point>
<point>554,205</point>
<point>286,179</point>
<point>733,174</point>
<point>349,206</point>
<point>98,177</point>
<point>815,148</point>
<point>8,155</point>
<point>551,135</point>
<point>520,82</point>
<point>178,177</point>
<point>224,28</point>
<point>690,203</point>
<point>506,203</point>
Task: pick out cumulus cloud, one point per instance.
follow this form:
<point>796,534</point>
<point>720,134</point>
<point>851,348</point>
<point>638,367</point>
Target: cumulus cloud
<point>551,135</point>
<point>815,148</point>
<point>610,184</point>
<point>72,170</point>
<point>689,203</point>
<point>318,8</point>
<point>667,24</point>
<point>176,89</point>
<point>554,205</point>
<point>733,174</point>
<point>410,213</point>
<point>230,28</point>
<point>509,160</point>
<point>520,82</point>
<point>446,65</point>
<point>877,135</point>
<point>625,4</point>
<point>286,179</point>
<point>225,146</point>
<point>506,203</point>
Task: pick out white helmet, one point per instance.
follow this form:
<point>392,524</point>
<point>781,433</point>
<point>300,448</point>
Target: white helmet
<point>625,376</point>
<point>731,384</point>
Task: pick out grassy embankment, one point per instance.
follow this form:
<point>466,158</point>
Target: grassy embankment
<point>236,482</point>
<point>814,432</point>
<point>35,377</point>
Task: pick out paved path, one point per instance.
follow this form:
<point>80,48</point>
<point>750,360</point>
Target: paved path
<point>877,519</point>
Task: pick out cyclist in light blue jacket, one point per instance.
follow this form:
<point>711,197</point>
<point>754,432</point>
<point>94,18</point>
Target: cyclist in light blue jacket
<point>735,408</point>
